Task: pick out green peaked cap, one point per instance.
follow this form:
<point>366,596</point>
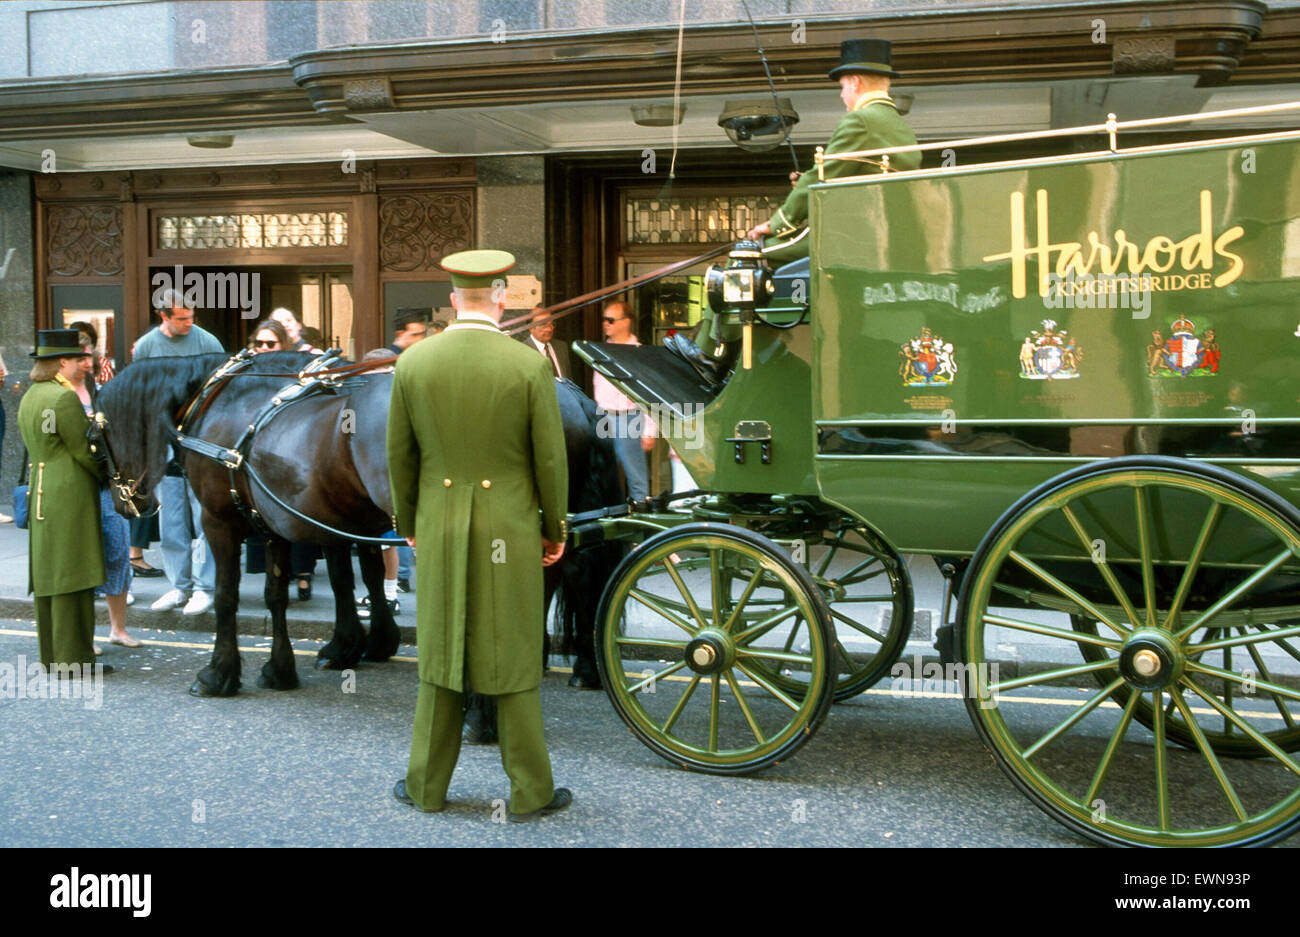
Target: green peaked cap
<point>471,269</point>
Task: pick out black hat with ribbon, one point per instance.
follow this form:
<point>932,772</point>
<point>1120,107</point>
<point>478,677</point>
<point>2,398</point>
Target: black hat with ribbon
<point>869,56</point>
<point>58,343</point>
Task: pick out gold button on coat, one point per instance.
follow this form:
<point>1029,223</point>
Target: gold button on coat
<point>486,483</point>
<point>446,483</point>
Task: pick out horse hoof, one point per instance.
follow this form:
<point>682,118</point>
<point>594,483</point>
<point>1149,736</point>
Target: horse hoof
<point>328,663</point>
<point>270,680</point>
<point>205,685</point>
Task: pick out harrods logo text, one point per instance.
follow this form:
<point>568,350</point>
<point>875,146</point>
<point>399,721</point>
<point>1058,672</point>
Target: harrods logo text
<point>1194,256</point>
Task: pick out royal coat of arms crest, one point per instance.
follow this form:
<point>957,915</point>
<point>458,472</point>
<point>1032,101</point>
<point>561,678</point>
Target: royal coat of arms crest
<point>1183,353</point>
<point>1049,355</point>
<point>926,360</point>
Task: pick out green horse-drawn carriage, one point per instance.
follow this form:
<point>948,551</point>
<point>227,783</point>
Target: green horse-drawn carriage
<point>1073,382</point>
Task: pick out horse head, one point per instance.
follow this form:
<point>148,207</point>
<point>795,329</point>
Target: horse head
<point>134,424</point>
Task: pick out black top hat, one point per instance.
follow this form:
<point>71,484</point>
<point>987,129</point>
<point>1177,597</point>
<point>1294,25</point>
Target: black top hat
<point>864,55</point>
<point>58,343</point>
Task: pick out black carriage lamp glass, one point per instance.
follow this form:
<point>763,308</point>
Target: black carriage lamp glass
<point>757,126</point>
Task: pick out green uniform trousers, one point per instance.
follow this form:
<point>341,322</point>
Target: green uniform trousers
<point>65,627</point>
<point>435,746</point>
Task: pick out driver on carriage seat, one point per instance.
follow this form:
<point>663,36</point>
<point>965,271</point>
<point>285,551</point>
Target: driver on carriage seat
<point>872,123</point>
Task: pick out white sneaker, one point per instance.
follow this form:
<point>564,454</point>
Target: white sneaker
<point>199,603</point>
<point>130,598</point>
<point>173,599</point>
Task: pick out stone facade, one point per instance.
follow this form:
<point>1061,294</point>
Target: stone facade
<point>17,302</point>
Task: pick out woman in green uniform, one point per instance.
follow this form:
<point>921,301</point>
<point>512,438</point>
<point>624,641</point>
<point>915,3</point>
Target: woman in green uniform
<point>65,553</point>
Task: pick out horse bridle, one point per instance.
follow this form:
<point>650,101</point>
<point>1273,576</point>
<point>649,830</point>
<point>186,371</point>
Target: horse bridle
<point>126,490</point>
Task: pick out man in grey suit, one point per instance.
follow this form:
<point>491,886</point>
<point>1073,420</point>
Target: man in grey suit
<point>541,339</point>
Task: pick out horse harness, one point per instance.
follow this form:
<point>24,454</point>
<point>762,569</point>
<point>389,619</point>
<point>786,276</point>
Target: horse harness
<point>317,378</point>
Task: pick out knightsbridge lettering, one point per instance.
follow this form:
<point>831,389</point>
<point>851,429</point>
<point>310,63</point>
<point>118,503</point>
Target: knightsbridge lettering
<point>1160,254</point>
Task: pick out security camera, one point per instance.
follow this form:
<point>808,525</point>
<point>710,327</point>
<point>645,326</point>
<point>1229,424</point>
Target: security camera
<point>760,125</point>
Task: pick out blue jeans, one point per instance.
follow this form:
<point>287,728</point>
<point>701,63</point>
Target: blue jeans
<point>625,430</point>
<point>186,558</point>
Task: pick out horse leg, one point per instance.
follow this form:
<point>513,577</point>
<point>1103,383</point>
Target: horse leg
<point>278,673</point>
<point>221,676</point>
<point>384,636</point>
<point>344,649</point>
<point>480,719</point>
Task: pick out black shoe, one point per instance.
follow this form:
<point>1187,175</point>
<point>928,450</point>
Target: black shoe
<point>582,682</point>
<point>710,369</point>
<point>146,571</point>
<point>363,607</point>
<point>563,797</point>
<point>304,592</point>
<point>400,795</point>
<point>403,585</point>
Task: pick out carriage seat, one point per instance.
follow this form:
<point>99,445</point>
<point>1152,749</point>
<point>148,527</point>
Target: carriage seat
<point>652,374</point>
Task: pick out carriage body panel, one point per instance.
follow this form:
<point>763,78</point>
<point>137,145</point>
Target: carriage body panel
<point>976,332</point>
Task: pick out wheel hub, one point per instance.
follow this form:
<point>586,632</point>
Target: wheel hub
<point>1150,659</point>
<point>710,652</point>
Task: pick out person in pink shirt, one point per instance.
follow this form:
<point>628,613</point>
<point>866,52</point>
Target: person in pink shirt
<point>634,434</point>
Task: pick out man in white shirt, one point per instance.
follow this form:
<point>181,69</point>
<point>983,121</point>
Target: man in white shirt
<point>542,339</point>
<point>634,434</point>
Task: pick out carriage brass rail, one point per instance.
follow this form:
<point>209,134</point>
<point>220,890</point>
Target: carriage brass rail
<point>1111,128</point>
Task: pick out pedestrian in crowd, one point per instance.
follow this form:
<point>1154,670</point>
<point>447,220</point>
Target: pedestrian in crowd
<point>188,562</point>
<point>633,433</point>
<point>410,324</point>
<point>541,338</point>
<point>65,555</point>
<point>113,526</point>
<point>313,339</point>
<point>293,328</point>
<point>471,513</point>
<point>270,335</point>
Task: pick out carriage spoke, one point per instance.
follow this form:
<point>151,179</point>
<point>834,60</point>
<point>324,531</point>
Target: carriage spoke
<point>652,603</point>
<point>848,578</point>
<point>1262,741</point>
<point>857,626</point>
<point>1096,700</point>
<point>744,598</point>
<point>1208,753</point>
<point>714,698</point>
<point>789,641</point>
<point>1074,596</point>
<point>1231,678</point>
<point>1143,509</point>
<point>1264,672</point>
<point>1080,637</point>
<point>671,566</point>
<point>845,654</point>
<point>830,555</point>
<point>1242,588</point>
<point>1248,638</point>
<point>715,582</point>
<point>767,624</point>
<point>767,685</point>
<point>1047,676</point>
<point>1106,573</point>
<point>744,707</point>
<point>1193,563</point>
<point>881,597</point>
<point>654,677</point>
<point>1282,644</point>
<point>673,716</point>
<point>1103,767</point>
<point>774,655</point>
<point>1161,758</point>
<point>651,642</point>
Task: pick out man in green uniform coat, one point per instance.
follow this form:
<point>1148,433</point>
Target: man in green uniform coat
<point>872,123</point>
<point>65,556</point>
<point>475,451</point>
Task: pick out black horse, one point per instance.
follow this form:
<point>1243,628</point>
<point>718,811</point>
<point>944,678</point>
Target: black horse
<point>320,457</point>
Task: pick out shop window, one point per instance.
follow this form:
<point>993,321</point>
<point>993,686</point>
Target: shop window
<point>253,230</point>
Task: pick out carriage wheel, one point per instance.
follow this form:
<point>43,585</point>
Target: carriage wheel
<point>1224,740</point>
<point>1191,547</point>
<point>687,664</point>
<point>869,594</point>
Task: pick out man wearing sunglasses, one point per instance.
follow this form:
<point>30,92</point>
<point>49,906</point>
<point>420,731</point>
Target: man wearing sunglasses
<point>634,434</point>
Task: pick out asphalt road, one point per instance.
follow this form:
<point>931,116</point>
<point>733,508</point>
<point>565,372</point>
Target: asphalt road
<point>153,766</point>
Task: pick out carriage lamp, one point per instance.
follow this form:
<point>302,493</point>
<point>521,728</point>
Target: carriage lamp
<point>743,284</point>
